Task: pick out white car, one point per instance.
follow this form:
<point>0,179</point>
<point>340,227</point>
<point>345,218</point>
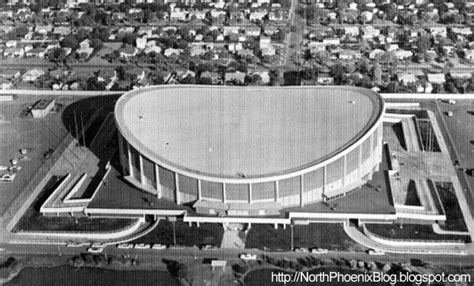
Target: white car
<point>7,177</point>
<point>248,256</point>
<point>95,249</point>
<point>450,113</point>
<point>125,246</point>
<point>376,252</point>
<point>97,245</point>
<point>158,246</point>
<point>3,168</point>
<point>142,246</point>
<point>319,250</point>
<point>452,101</point>
<point>300,249</point>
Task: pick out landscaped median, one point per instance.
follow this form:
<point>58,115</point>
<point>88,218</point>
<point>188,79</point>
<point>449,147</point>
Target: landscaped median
<point>411,235</point>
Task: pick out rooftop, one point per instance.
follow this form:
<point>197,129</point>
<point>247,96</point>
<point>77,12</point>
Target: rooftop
<point>230,131</point>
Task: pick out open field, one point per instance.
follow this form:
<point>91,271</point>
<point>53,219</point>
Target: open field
<point>206,233</point>
<point>324,235</point>
<point>411,232</point>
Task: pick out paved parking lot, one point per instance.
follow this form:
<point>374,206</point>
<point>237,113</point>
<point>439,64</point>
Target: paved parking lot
<point>17,132</point>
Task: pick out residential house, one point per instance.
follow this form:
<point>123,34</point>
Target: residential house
<point>369,32</point>
<point>238,77</point>
<point>84,52</point>
<point>465,31</point>
<point>32,75</point>
<point>375,53</point>
<point>258,15</point>
<point>62,30</point>
<point>268,51</point>
<point>196,51</point>
<point>275,15</point>
<point>11,44</point>
<point>43,29</point>
<point>315,47</point>
<point>233,47</point>
<point>403,54</point>
<point>331,42</point>
<point>264,42</point>
<point>213,76</point>
<point>128,51</point>
<point>230,30</point>
<point>85,44</point>
<point>171,51</point>
<point>469,54</point>
<point>140,43</point>
<point>270,30</point>
<point>438,32</point>
<point>146,31</point>
<point>252,31</point>
<point>438,78</point>
<point>351,30</point>
<point>178,15</point>
<point>406,78</point>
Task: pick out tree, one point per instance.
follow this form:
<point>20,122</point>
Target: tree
<point>21,31</point>
<point>423,43</point>
<point>57,55</point>
<point>377,74</point>
<point>70,41</point>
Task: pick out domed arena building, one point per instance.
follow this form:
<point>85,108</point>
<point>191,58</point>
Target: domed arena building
<point>249,151</point>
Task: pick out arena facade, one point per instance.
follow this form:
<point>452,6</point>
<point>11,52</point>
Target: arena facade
<point>249,151</point>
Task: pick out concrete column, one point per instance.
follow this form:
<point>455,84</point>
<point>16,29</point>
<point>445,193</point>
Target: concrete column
<point>277,191</point>
<point>223,193</point>
<point>344,170</point>
<point>198,224</point>
<point>199,190</point>
<point>158,185</point>
<point>142,174</point>
<point>250,193</point>
<point>249,226</point>
<point>324,179</point>
<point>130,167</point>
<point>176,182</point>
<point>276,225</point>
<point>301,191</point>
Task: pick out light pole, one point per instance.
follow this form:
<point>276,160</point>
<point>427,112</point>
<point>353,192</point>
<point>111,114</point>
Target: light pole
<point>291,231</point>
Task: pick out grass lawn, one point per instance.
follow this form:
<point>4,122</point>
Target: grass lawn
<point>33,220</point>
<point>411,232</point>
<point>206,233</point>
<point>454,216</point>
<point>324,235</point>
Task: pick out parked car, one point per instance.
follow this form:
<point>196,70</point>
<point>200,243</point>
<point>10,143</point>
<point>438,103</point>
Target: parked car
<point>7,177</point>
<point>376,252</point>
<point>97,245</point>
<point>450,113</point>
<point>176,247</point>
<point>248,256</point>
<point>300,249</point>
<point>319,250</point>
<point>125,246</point>
<point>208,247</point>
<point>95,249</point>
<point>142,246</point>
<point>158,246</point>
